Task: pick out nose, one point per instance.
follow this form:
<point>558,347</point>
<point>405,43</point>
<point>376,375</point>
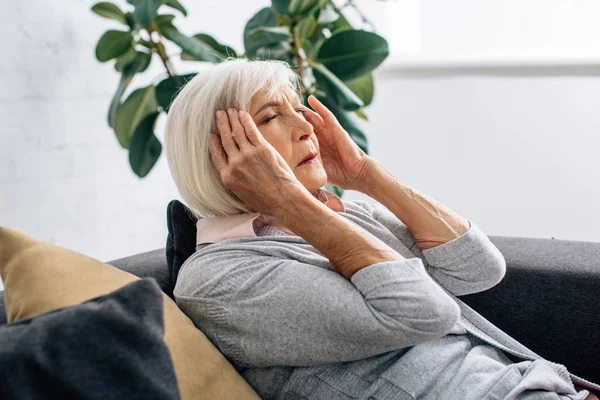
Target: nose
<point>303,130</point>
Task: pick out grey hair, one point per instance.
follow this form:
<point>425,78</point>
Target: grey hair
<point>191,118</point>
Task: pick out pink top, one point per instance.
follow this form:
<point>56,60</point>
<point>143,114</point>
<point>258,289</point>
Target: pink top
<point>212,230</point>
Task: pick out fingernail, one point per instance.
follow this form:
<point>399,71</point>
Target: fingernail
<point>219,114</point>
<point>230,111</point>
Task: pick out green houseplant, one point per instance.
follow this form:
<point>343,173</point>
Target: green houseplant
<point>334,59</point>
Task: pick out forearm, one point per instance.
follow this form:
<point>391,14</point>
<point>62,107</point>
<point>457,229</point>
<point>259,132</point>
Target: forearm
<point>348,247</point>
<point>430,222</point>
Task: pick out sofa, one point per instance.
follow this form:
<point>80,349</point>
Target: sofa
<point>549,299</point>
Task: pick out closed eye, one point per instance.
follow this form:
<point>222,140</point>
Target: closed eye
<point>268,119</point>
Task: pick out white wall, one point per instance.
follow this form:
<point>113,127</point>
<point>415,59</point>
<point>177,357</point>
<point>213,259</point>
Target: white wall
<point>517,155</point>
<point>507,26</point>
<point>63,176</point>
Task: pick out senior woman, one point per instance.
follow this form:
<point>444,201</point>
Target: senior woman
<point>314,297</point>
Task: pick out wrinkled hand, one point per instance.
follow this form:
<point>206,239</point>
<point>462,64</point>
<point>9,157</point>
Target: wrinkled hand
<point>343,161</point>
<point>249,166</point>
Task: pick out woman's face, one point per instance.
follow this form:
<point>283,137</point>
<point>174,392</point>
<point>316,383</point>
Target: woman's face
<point>280,120</point>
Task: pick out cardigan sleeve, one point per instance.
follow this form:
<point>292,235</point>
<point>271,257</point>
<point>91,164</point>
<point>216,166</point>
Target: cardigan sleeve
<point>467,264</point>
<point>264,311</point>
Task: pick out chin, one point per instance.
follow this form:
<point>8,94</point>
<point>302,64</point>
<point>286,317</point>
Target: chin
<point>313,181</point>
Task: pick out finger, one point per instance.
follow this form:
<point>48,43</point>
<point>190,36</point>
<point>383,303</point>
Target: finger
<point>217,154</point>
<point>237,130</point>
<point>252,133</point>
<point>323,111</point>
<point>227,141</point>
<point>314,119</point>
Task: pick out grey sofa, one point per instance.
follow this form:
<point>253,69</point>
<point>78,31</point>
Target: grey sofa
<point>549,299</point>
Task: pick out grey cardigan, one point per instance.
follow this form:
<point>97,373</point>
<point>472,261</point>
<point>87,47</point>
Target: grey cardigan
<point>273,302</point>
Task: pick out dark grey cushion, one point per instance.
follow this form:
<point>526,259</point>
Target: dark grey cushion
<point>181,238</point>
<point>110,347</point>
<point>3,319</point>
<point>549,300</point>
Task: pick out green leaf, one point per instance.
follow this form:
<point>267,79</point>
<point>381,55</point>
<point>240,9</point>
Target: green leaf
<point>144,149</point>
<point>113,44</point>
<point>305,29</point>
<point>168,88</point>
<point>301,6</point>
<point>125,59</point>
<point>281,6</point>
<point>268,40</point>
<point>131,22</point>
<point>338,191</point>
<point>222,50</point>
<point>126,77</point>
<point>200,50</point>
<point>140,62</point>
<point>294,6</point>
<point>339,25</point>
<point>265,17</point>
<point>145,11</point>
<point>281,51</point>
<point>335,89</point>
<point>164,20</point>
<point>145,43</point>
<point>361,114</point>
<point>176,5</point>
<point>144,60</point>
<point>363,87</point>
<point>328,15</point>
<point>314,43</point>
<point>225,51</point>
<point>140,103</point>
<point>351,54</point>
<point>188,57</point>
<point>109,10</point>
<point>139,57</point>
<point>275,33</point>
<point>347,121</point>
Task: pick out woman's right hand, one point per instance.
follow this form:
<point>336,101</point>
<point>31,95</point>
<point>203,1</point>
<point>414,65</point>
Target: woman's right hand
<point>249,166</point>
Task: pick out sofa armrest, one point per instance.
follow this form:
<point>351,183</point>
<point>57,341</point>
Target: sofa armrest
<point>548,300</point>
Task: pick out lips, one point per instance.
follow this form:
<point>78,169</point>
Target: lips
<point>308,157</point>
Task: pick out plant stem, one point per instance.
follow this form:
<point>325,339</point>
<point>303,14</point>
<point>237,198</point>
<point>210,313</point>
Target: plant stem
<point>336,8</point>
<point>160,50</point>
<point>297,54</point>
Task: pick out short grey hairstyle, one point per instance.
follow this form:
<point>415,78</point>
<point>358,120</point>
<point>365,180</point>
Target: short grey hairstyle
<point>191,118</point>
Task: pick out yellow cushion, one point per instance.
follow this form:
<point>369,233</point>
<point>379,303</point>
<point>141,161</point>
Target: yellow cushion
<point>40,277</point>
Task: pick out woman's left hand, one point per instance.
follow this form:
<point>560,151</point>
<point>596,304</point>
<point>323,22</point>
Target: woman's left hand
<point>344,162</point>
